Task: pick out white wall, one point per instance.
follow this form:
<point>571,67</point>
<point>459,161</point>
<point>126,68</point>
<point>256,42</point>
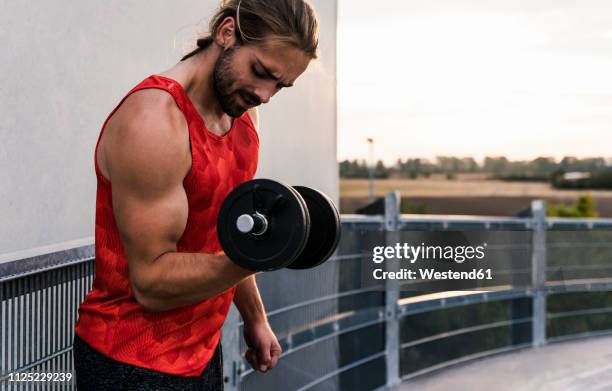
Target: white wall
<point>66,64</point>
<point>298,128</point>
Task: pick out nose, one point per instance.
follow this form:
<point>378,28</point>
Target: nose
<point>266,92</point>
<point>264,95</point>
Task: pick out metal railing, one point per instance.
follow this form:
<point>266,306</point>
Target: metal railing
<point>39,299</point>
<point>338,332</point>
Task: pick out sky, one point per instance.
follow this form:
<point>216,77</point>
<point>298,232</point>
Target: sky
<point>474,78</point>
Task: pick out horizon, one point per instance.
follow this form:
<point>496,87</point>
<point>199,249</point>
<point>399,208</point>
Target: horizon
<point>474,79</point>
<point>608,159</point>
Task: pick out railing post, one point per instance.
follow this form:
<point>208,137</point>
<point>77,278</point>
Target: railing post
<point>230,343</point>
<point>538,272</point>
<point>392,213</point>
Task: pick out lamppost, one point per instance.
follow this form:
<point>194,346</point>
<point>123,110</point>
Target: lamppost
<point>371,170</point>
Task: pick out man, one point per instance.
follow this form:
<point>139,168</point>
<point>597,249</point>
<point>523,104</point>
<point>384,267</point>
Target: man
<point>167,156</point>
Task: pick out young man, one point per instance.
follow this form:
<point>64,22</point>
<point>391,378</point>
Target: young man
<point>166,157</point>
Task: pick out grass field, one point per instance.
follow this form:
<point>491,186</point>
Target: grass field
<point>468,194</point>
<point>465,185</point>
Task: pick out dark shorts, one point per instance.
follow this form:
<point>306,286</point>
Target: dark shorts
<point>94,371</point>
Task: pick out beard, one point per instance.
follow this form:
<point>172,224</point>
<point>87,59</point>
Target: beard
<point>223,81</point>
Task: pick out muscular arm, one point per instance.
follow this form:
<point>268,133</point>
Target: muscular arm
<point>248,301</point>
<point>263,350</point>
<point>247,298</point>
<point>147,157</point>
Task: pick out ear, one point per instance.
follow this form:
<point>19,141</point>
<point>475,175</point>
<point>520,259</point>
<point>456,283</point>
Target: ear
<point>226,33</point>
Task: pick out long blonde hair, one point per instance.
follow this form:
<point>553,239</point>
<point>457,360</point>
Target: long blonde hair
<point>289,21</point>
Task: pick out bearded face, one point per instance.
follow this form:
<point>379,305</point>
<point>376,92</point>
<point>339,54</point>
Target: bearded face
<point>234,101</point>
<point>247,75</point>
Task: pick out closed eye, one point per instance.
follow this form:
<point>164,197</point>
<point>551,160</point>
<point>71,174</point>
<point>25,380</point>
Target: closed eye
<point>265,73</point>
<point>259,74</point>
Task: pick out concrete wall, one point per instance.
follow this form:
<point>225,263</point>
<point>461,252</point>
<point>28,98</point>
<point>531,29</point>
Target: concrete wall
<point>66,64</point>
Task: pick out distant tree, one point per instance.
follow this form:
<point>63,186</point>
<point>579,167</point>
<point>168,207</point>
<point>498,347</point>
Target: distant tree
<point>468,164</point>
<point>448,164</point>
<point>567,163</point>
<point>542,166</point>
<point>495,165</point>
<point>539,169</point>
<point>380,171</point>
<point>353,169</point>
<point>571,163</point>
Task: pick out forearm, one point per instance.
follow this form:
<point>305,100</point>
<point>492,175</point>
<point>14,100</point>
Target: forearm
<point>180,279</point>
<point>248,301</point>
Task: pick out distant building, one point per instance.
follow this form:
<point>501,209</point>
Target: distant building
<point>576,176</point>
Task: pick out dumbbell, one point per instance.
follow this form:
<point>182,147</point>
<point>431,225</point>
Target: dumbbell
<point>266,225</point>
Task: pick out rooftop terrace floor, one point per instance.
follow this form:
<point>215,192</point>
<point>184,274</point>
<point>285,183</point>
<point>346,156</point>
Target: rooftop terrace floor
<point>583,365</point>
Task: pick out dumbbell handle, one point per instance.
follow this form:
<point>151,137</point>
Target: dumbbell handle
<point>255,224</point>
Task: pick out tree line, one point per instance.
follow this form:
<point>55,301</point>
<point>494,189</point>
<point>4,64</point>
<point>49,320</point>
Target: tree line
<point>597,171</point>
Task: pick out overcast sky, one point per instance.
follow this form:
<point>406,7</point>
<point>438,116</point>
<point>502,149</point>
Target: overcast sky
<point>475,78</point>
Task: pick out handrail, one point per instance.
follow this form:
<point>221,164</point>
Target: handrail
<point>339,322</point>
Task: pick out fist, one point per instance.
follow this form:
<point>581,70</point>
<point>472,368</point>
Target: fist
<point>263,348</point>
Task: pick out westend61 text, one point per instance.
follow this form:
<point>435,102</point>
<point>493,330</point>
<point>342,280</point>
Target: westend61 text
<point>431,274</point>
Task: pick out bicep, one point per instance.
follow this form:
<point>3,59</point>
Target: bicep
<point>147,161</point>
<point>149,226</point>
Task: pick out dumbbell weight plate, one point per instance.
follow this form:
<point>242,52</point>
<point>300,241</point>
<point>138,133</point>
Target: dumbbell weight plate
<point>285,236</point>
<point>324,229</point>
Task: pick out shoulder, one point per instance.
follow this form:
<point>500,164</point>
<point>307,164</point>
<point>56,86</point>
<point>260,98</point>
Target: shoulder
<point>150,139</point>
<point>152,105</point>
<point>254,114</point>
<point>149,113</point>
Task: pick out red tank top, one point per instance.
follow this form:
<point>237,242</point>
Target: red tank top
<point>180,341</point>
